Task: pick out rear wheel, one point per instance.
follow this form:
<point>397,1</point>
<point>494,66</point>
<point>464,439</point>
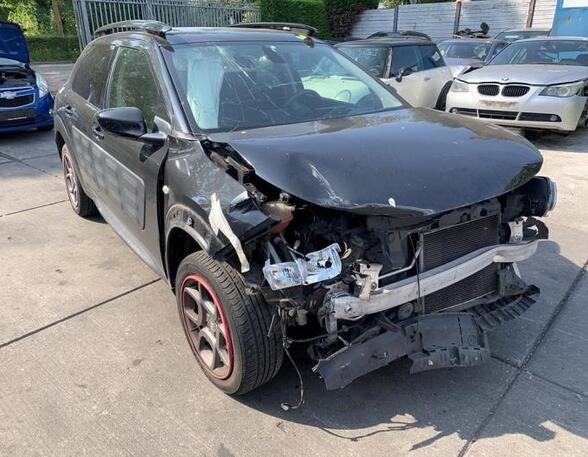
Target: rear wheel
<point>80,202</point>
<point>228,330</point>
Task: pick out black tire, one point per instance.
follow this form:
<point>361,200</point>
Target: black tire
<point>79,200</point>
<point>253,357</point>
<point>442,100</point>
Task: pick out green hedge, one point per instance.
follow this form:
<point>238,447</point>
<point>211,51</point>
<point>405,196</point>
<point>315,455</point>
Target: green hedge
<point>330,17</point>
<point>310,12</point>
<point>48,48</point>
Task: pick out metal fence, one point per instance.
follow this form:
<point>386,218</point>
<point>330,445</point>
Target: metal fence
<point>92,14</point>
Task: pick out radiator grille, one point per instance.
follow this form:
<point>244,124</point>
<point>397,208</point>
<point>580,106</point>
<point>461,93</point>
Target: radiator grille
<point>494,114</point>
<point>16,101</point>
<point>474,286</point>
<point>488,89</point>
<point>17,115</point>
<point>515,91</point>
<point>444,245</point>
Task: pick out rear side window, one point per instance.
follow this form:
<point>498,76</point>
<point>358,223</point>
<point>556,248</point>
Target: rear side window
<point>133,84</point>
<point>91,73</point>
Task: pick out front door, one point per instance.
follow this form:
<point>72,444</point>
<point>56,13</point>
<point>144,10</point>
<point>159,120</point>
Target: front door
<point>428,74</point>
<point>131,168</point>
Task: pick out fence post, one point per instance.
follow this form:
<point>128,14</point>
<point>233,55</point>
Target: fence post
<point>531,13</point>
<point>396,11</point>
<point>457,16</point>
<point>149,10</point>
<point>85,32</point>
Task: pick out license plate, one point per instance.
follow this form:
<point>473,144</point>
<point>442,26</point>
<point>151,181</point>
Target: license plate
<point>495,104</point>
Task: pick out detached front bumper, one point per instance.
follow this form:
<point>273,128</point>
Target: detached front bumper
<point>443,340</point>
<point>529,111</point>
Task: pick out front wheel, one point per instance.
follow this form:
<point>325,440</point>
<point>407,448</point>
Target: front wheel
<point>228,330</point>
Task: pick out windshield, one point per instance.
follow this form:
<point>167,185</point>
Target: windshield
<point>544,52</point>
<point>464,50</point>
<point>520,35</point>
<point>372,59</point>
<point>233,86</point>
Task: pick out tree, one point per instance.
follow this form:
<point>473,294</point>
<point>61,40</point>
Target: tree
<point>58,22</point>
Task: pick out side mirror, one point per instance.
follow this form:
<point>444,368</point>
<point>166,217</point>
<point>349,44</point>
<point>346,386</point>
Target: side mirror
<point>402,73</point>
<point>128,122</point>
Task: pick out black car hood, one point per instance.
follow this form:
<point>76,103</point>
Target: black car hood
<point>406,162</point>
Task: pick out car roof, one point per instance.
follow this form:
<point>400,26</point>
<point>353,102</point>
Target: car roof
<point>553,38</point>
<point>528,29</point>
<point>470,40</point>
<point>184,35</point>
<point>387,41</point>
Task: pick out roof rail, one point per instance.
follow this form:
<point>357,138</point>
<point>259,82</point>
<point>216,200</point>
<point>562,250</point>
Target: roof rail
<point>286,26</point>
<point>152,27</point>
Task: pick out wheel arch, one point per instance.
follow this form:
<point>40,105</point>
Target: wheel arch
<point>185,233</point>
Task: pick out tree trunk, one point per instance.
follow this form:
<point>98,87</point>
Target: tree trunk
<point>57,17</point>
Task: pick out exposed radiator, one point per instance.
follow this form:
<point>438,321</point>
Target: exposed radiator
<point>448,244</point>
<point>474,286</point>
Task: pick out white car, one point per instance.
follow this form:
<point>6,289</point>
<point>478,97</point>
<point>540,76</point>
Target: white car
<point>539,83</point>
<point>413,66</point>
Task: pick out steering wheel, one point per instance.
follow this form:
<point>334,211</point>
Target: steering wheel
<point>311,94</point>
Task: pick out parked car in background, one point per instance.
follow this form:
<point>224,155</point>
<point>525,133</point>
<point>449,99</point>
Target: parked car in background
<point>25,101</point>
<point>413,66</point>
<point>463,53</point>
<point>521,34</point>
<point>403,33</point>
<point>534,83</point>
<point>377,230</point>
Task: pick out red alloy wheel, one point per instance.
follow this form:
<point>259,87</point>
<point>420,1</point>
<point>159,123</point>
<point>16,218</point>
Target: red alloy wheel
<point>206,326</point>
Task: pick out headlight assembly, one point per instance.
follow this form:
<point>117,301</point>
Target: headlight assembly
<point>564,90</point>
<point>459,86</point>
<point>42,85</point>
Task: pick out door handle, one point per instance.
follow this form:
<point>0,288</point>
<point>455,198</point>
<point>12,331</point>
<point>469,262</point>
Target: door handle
<point>69,111</point>
<point>427,78</point>
<point>97,132</point>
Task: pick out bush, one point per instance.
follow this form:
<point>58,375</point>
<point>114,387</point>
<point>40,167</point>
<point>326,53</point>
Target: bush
<point>48,48</point>
<point>332,18</point>
<point>310,12</point>
<point>341,14</point>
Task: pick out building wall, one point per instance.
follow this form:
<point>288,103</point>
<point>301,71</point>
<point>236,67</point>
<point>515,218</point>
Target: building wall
<point>437,19</point>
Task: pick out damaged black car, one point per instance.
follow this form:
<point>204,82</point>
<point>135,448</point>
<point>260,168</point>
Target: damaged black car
<point>290,198</point>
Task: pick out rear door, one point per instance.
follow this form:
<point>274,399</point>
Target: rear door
<point>130,180</point>
<point>78,106</point>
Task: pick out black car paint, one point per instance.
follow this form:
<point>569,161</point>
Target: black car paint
<point>351,156</point>
<point>408,162</point>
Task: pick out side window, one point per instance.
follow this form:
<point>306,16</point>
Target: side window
<point>133,84</point>
<point>430,58</point>
<point>91,73</point>
<point>404,57</point>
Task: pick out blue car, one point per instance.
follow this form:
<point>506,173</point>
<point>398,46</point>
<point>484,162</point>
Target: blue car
<point>25,101</point>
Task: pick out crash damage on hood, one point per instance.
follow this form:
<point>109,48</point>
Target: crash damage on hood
<point>384,235</point>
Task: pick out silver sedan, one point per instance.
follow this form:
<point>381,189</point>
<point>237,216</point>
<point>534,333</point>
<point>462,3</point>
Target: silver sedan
<point>536,83</point>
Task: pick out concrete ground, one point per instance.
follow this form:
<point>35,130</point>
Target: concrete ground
<point>93,360</point>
